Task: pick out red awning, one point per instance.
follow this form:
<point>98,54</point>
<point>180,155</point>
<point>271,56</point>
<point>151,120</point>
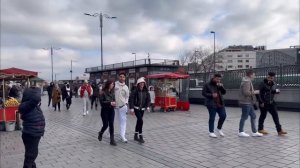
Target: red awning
<point>168,76</point>
<point>16,73</point>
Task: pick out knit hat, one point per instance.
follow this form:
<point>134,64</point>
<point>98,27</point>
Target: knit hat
<point>140,80</point>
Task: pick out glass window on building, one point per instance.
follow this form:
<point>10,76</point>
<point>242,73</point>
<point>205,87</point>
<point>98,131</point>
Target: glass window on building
<point>247,66</point>
<point>240,61</point>
<point>229,61</point>
<point>240,56</point>
<point>247,60</point>
<point>229,66</point>
<point>240,66</point>
<point>229,56</point>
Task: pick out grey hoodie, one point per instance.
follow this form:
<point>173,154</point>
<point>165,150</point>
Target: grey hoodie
<point>246,95</point>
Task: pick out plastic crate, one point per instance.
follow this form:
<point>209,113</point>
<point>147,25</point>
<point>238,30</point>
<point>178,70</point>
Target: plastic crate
<point>10,114</point>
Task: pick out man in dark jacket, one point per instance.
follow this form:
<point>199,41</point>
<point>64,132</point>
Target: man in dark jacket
<point>49,90</point>
<point>267,91</point>
<point>213,91</point>
<point>95,96</point>
<point>33,124</point>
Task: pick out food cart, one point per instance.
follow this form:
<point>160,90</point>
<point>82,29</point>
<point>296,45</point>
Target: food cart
<point>9,109</point>
<point>171,91</point>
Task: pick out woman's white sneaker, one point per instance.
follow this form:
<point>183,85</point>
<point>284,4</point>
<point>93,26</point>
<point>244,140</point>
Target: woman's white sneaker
<point>243,134</point>
<point>213,135</point>
<point>221,132</point>
<point>257,134</point>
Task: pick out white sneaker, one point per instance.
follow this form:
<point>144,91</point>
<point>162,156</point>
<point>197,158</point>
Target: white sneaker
<point>257,134</point>
<point>84,114</point>
<point>213,135</point>
<point>221,133</point>
<point>124,140</point>
<point>87,112</point>
<point>243,134</point>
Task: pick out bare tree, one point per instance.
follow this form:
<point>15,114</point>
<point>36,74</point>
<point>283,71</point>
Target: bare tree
<point>184,57</point>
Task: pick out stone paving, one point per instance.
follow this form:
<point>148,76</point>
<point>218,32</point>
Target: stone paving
<point>173,139</point>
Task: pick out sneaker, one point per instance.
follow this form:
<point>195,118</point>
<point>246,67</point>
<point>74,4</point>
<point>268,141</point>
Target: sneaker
<point>213,135</point>
<point>113,143</point>
<point>124,140</point>
<point>257,134</point>
<point>282,132</point>
<point>263,131</point>
<point>243,134</point>
<point>221,132</point>
<point>84,114</point>
<point>87,112</point>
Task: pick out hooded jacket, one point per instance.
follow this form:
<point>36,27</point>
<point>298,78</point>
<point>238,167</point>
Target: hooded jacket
<point>267,91</point>
<point>139,98</point>
<point>246,95</point>
<point>208,90</point>
<point>31,113</point>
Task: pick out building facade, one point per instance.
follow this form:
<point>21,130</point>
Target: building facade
<point>132,69</point>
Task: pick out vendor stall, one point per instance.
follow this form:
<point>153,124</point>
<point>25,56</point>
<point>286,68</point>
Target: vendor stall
<point>9,107</point>
<point>171,91</point>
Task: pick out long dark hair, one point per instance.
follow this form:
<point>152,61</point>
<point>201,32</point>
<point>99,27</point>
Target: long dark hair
<point>106,85</point>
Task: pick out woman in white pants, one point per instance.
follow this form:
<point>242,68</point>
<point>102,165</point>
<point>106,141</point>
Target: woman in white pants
<point>122,96</point>
<point>85,92</point>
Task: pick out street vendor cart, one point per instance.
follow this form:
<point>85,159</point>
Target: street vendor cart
<point>9,107</point>
<point>171,91</point>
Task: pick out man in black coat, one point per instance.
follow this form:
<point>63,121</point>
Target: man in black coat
<point>267,92</point>
<point>49,90</point>
<point>213,91</point>
<point>33,124</point>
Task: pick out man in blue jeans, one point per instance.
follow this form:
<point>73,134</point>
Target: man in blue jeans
<point>247,101</point>
<point>213,91</point>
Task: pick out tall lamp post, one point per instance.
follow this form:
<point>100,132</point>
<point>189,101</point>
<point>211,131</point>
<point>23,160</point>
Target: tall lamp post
<point>101,25</point>
<point>55,76</point>
<point>134,58</point>
<point>51,53</point>
<point>214,60</point>
<point>71,71</point>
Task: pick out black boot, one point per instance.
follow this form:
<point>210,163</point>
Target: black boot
<point>100,136</point>
<point>141,139</point>
<point>136,138</point>
<point>112,140</point>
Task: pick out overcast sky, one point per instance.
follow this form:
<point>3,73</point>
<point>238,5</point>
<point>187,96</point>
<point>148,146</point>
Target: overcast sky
<point>163,28</point>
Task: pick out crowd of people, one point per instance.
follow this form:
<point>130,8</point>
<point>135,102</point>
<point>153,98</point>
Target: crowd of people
<point>116,99</point>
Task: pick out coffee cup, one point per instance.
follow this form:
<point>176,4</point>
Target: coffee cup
<point>277,91</point>
<point>256,91</point>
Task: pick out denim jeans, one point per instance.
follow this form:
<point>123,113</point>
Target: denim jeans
<point>247,109</point>
<point>212,115</point>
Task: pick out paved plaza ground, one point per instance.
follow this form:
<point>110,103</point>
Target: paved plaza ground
<point>173,139</point>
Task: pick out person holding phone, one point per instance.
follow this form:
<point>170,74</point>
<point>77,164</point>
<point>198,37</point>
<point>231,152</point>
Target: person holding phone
<point>213,92</point>
<point>266,97</point>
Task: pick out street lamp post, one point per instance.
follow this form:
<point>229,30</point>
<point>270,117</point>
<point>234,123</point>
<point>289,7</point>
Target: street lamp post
<point>214,60</point>
<point>55,76</point>
<point>51,53</point>
<point>134,58</point>
<point>71,71</point>
<point>101,25</point>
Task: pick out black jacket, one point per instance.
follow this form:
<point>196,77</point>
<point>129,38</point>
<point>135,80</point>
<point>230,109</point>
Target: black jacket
<point>31,113</point>
<point>106,98</point>
<point>49,89</point>
<point>267,91</point>
<point>13,92</point>
<point>139,98</point>
<point>210,88</point>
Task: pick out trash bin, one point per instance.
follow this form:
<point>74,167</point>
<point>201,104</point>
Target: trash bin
<point>2,126</point>
<point>10,125</point>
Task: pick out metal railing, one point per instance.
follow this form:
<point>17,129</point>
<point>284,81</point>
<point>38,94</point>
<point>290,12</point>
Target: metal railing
<point>131,64</point>
<point>287,76</point>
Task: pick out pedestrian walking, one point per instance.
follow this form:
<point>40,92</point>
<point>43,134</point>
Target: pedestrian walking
<point>108,103</point>
<point>56,97</point>
<point>247,102</point>
<point>267,92</point>
<point>121,109</point>
<point>33,124</point>
<point>68,95</point>
<point>85,91</point>
<point>64,92</point>
<point>139,101</point>
<point>152,98</point>
<point>213,92</point>
<point>49,90</point>
<point>95,96</point>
